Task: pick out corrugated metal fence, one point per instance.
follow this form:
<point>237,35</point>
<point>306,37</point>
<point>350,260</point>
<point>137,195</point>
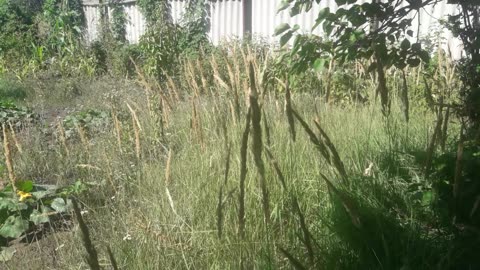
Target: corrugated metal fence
<point>229,18</point>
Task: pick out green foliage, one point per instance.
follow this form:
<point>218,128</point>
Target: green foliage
<point>155,11</point>
<point>16,116</point>
<point>89,120</point>
<point>195,27</point>
<point>17,24</point>
<point>349,38</point>
<point>32,205</point>
<point>119,21</point>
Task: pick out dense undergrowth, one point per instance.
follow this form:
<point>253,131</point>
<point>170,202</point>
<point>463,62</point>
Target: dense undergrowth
<point>185,155</point>
<point>163,164</point>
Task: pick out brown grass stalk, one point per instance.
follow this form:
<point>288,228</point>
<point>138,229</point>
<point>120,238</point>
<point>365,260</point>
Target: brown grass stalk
<point>14,137</point>
<point>136,129</point>
<point>118,131</point>
<point>165,112</point>
<point>203,80</point>
<point>63,140</point>
<point>164,98</point>
<point>197,124</point>
<point>233,113</point>
<point>192,80</point>
<point>172,87</point>
<point>83,137</point>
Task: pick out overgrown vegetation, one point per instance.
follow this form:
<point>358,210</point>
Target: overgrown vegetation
<point>174,153</point>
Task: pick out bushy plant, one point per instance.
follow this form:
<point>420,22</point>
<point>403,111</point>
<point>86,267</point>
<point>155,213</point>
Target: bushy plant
<point>11,114</point>
<point>89,120</point>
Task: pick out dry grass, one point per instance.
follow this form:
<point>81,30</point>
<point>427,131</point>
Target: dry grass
<point>168,201</point>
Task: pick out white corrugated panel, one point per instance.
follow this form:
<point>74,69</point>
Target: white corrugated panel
<point>92,19</point>
<point>226,20</point>
<point>135,27</point>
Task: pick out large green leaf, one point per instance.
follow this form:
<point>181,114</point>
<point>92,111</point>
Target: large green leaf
<point>285,38</point>
<point>11,204</point>
<point>38,218</point>
<point>59,205</point>
<point>7,203</point>
<point>405,45</point>
<point>283,5</point>
<point>25,186</point>
<point>13,227</point>
<point>281,28</point>
<point>43,193</point>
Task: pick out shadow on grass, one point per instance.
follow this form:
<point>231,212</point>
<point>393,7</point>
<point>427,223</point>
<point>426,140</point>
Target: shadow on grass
<point>400,231</point>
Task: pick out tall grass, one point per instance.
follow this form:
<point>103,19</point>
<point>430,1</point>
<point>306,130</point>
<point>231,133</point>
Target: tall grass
<point>197,195</point>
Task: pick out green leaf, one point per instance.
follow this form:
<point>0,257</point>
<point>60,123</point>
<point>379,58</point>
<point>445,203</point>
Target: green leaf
<point>285,38</point>
<point>42,194</point>
<point>25,186</point>
<point>372,67</point>
<point>424,55</point>
<point>340,2</point>
<point>322,14</point>
<point>6,254</point>
<point>13,227</point>
<point>7,203</point>
<point>328,27</point>
<point>295,9</point>
<point>416,47</point>
<point>283,5</point>
<point>38,218</point>
<point>410,33</point>
<point>59,205</point>
<point>281,28</point>
<point>405,45</point>
<point>414,62</point>
<point>427,198</point>
<point>319,64</point>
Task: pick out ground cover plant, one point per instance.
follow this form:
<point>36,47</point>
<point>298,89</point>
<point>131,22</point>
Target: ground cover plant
<point>239,156</point>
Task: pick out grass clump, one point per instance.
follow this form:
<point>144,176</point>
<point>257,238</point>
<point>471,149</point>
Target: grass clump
<point>212,168</point>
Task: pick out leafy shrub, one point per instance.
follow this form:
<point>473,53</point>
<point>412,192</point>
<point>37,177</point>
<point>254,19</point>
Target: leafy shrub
<point>17,24</point>
<point>15,115</point>
<point>89,120</point>
<point>31,206</point>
